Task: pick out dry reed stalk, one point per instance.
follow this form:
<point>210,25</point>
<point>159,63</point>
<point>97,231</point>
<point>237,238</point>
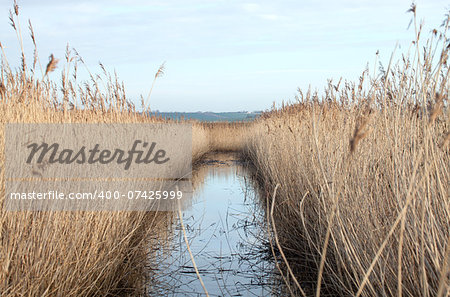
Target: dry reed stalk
<point>35,54</point>
<point>444,286</point>
<point>159,73</point>
<point>277,264</point>
<point>280,249</point>
<point>180,215</point>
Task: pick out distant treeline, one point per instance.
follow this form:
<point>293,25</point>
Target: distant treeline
<point>211,116</point>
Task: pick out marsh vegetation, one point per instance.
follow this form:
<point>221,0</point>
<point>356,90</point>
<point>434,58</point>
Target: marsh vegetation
<point>353,184</point>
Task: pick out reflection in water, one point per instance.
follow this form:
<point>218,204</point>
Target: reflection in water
<point>226,232</point>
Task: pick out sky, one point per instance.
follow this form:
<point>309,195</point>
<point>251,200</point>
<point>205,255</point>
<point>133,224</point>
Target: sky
<point>220,55</point>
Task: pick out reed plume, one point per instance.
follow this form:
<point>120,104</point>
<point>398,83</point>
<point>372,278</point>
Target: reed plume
<point>51,66</point>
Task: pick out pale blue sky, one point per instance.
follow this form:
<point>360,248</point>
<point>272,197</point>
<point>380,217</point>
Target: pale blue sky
<point>221,55</point>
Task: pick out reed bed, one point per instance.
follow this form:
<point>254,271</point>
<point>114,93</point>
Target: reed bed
<point>73,253</point>
<point>361,179</point>
<point>227,136</point>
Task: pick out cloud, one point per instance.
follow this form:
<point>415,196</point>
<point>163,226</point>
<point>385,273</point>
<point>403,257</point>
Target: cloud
<point>206,36</point>
<point>273,17</point>
<point>251,7</point>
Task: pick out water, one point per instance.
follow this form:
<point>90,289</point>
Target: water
<point>226,232</point>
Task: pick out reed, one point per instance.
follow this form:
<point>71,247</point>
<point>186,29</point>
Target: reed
<point>73,253</point>
<point>362,174</point>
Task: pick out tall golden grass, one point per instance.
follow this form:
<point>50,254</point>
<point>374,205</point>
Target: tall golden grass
<point>78,253</point>
<point>72,253</point>
<point>227,136</point>
<point>361,206</point>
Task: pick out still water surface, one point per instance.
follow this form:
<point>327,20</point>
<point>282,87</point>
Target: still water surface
<point>227,235</point>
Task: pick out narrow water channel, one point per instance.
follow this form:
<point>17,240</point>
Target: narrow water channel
<point>226,231</point>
